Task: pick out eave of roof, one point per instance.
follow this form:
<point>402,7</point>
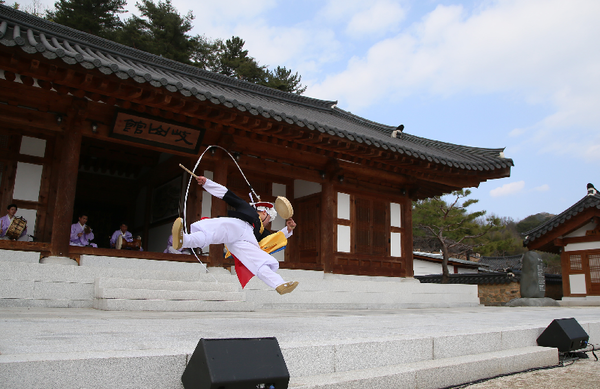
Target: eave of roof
<point>438,258</point>
<point>589,201</point>
<point>38,36</point>
<point>501,263</point>
<point>477,278</point>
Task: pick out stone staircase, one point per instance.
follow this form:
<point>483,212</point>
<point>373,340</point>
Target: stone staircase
<point>117,284</point>
<point>131,284</point>
<point>318,290</point>
<point>204,295</point>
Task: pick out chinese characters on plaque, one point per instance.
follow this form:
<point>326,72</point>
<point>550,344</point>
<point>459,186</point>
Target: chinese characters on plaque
<point>155,132</point>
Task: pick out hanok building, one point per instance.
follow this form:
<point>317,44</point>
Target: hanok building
<point>575,235</point>
<point>88,124</point>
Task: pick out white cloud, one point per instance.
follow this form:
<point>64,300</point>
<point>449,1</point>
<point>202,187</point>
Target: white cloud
<point>378,17</point>
<point>221,15</point>
<point>542,188</point>
<point>508,189</point>
<point>539,51</point>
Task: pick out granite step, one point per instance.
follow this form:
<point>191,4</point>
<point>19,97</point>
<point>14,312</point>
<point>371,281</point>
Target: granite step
<point>426,362</point>
<point>434,374</point>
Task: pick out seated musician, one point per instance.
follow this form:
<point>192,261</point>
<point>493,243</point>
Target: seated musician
<point>122,231</point>
<point>81,234</point>
<point>125,235</point>
<point>5,222</point>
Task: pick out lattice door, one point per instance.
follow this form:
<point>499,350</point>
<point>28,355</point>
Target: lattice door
<point>594,263</point>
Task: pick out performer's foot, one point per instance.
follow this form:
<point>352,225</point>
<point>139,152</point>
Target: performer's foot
<point>287,287</point>
<point>177,231</point>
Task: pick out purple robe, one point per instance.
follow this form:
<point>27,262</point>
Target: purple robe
<point>5,223</point>
<point>84,239</point>
<point>127,236</point>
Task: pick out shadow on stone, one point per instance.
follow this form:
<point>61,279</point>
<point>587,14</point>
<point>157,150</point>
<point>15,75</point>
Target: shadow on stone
<point>533,302</point>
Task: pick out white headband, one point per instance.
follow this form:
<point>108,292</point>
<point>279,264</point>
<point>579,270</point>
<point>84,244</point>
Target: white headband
<point>268,208</point>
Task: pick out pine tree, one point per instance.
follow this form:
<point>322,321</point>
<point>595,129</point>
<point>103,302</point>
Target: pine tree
<point>160,30</point>
<point>283,79</point>
<point>235,62</point>
<point>95,17</point>
<point>451,225</point>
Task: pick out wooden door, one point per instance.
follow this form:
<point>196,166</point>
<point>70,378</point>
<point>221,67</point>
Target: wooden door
<point>592,262</point>
<point>305,244</point>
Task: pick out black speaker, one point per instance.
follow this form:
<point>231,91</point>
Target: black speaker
<point>236,364</point>
<point>564,334</point>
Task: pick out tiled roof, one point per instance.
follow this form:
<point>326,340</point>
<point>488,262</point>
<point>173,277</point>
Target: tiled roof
<point>38,36</point>
<point>513,262</point>
<point>486,278</point>
<point>589,201</point>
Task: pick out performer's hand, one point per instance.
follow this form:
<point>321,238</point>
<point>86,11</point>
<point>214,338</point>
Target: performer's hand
<point>201,180</point>
<point>291,224</point>
<point>79,235</point>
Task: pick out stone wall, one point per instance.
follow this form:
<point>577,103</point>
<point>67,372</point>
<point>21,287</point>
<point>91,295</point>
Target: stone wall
<point>498,294</point>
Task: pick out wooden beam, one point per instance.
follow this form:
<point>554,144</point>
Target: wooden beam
<point>22,117</point>
<point>576,239</point>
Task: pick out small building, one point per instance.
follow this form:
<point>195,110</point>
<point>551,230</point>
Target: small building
<point>431,263</point>
<point>575,235</point>
<point>498,279</point>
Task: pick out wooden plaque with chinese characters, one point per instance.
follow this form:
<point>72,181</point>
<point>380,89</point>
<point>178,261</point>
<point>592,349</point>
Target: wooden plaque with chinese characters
<point>154,132</point>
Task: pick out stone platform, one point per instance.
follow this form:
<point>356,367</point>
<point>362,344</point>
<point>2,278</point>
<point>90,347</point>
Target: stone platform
<point>112,322</point>
<point>401,348</point>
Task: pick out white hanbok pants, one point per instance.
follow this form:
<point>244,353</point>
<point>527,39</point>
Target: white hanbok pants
<point>239,238</point>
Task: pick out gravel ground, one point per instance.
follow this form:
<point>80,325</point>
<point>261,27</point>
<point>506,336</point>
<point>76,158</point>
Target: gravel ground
<point>580,374</point>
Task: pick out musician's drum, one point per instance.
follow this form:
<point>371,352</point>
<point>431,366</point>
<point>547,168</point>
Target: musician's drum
<point>119,242</point>
<point>16,228</point>
<point>125,245</point>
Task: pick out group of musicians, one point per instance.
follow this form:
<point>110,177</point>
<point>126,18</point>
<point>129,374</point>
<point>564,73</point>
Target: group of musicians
<point>15,228</point>
<point>82,235</point>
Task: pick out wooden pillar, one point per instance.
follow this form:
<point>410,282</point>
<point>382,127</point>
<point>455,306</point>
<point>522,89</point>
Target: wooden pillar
<point>407,238</point>
<point>70,141</point>
<point>291,255</point>
<point>328,212</point>
<point>147,215</point>
<point>194,201</point>
<point>219,207</point>
<point>9,172</point>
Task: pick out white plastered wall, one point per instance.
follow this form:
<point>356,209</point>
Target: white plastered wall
<point>28,179</point>
<point>343,232</point>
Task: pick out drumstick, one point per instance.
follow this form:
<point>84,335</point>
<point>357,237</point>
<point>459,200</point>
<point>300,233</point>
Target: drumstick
<point>187,170</point>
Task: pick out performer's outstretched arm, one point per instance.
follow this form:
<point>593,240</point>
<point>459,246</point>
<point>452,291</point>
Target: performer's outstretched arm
<point>221,192</point>
<point>212,187</point>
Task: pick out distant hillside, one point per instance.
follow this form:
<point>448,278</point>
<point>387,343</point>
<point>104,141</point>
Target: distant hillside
<point>532,221</point>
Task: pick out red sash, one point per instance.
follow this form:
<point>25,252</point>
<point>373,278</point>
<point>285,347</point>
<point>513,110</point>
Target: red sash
<point>244,275</point>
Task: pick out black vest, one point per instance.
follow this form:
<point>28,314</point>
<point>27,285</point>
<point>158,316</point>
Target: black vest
<point>245,212</point>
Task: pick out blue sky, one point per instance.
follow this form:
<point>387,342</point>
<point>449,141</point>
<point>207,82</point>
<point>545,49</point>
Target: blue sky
<point>519,74</point>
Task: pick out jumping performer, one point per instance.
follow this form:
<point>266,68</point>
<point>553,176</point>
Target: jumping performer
<point>240,232</point>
